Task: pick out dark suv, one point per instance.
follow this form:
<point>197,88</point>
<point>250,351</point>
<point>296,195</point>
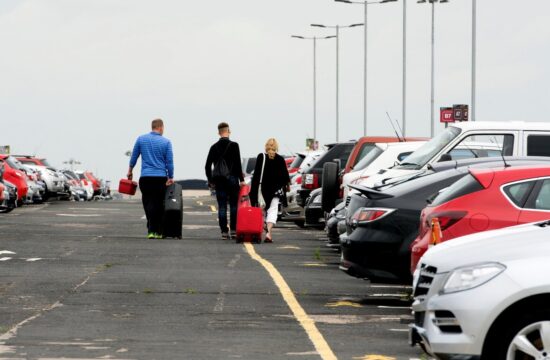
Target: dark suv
<point>312,178</point>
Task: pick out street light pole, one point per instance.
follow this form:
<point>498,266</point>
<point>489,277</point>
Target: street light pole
<point>404,95</point>
<point>315,38</point>
<point>365,63</point>
<point>337,27</point>
<point>474,50</point>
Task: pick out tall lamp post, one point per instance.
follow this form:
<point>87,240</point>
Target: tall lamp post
<point>366,4</point>
<point>432,97</point>
<point>314,38</point>
<point>474,50</point>
<point>337,27</point>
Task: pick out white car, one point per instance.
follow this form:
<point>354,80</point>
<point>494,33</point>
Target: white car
<point>382,156</point>
<point>486,296</point>
<point>511,138</point>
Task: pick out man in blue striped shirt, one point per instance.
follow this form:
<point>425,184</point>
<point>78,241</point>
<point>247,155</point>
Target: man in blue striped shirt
<point>157,172</point>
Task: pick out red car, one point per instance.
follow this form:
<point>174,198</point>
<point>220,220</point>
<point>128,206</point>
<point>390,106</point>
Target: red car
<point>486,199</point>
<point>95,181</point>
<point>16,177</point>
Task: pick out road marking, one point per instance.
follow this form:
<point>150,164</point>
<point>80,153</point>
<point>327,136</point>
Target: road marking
<point>5,259</point>
<point>79,215</point>
<point>374,357</point>
<point>6,252</point>
<point>288,247</point>
<point>319,342</point>
<point>33,259</point>
<point>343,303</point>
<point>213,208</point>
<point>313,265</point>
<point>200,203</point>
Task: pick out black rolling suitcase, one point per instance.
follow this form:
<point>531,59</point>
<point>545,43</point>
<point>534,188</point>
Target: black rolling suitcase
<point>173,212</point>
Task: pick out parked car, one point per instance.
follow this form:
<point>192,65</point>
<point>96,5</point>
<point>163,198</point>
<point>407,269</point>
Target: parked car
<point>78,192</point>
<point>383,222</point>
<point>485,296</point>
<point>312,177</point>
<point>11,202</point>
<point>334,170</point>
<point>16,177</point>
<point>336,225</point>
<point>86,184</point>
<point>54,181</point>
<point>382,156</point>
<point>500,138</point>
<point>486,199</point>
<point>314,214</point>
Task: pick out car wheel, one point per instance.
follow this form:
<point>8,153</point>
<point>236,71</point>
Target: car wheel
<point>527,337</point>
<point>330,186</point>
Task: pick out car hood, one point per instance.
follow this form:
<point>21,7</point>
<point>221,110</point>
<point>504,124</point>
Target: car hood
<point>503,245</point>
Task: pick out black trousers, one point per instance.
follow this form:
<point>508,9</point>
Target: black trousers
<point>227,193</point>
<point>153,190</point>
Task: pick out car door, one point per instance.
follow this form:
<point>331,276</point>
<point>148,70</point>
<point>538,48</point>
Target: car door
<point>537,207</point>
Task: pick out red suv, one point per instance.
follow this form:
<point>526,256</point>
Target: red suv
<point>16,177</point>
<point>486,199</point>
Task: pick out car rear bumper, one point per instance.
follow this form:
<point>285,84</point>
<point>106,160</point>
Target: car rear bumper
<point>315,216</point>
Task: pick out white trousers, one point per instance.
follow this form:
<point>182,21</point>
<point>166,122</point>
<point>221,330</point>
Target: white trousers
<point>273,212</point>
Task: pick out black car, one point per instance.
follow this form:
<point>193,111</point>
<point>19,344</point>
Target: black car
<point>336,225</point>
<point>314,214</point>
<point>312,177</point>
<point>383,222</point>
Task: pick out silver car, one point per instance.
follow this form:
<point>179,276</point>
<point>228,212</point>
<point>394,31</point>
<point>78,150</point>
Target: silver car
<point>486,296</point>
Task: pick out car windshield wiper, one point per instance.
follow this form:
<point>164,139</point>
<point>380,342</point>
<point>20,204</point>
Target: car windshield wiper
<point>410,164</point>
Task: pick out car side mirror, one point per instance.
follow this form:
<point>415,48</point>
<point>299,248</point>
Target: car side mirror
<point>445,157</point>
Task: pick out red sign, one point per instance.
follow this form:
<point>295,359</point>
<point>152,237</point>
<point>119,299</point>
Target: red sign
<point>447,115</point>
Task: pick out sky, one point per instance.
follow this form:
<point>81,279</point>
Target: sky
<point>83,79</point>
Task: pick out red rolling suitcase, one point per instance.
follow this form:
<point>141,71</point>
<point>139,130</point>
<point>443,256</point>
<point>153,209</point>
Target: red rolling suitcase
<point>250,224</point>
<point>127,187</point>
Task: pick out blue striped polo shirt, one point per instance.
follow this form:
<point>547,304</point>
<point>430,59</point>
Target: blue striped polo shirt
<point>157,158</point>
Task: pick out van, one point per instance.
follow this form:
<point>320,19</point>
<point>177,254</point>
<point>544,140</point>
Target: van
<point>471,140</point>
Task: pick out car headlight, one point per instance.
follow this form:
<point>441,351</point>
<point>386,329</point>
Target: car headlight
<point>470,277</point>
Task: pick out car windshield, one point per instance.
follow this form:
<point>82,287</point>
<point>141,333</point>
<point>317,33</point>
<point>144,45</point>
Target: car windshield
<point>426,152</point>
<point>14,163</point>
<point>45,162</point>
<point>373,154</point>
<point>365,150</point>
<point>297,161</point>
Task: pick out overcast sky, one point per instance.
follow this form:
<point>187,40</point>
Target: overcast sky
<point>83,78</point>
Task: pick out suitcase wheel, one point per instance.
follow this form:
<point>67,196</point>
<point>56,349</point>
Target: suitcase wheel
<point>257,239</point>
<point>239,239</point>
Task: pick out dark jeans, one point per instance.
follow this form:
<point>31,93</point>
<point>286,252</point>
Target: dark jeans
<point>153,190</point>
<point>228,192</point>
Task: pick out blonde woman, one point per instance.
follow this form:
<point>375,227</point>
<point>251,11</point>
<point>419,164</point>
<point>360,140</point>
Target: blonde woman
<point>271,175</point>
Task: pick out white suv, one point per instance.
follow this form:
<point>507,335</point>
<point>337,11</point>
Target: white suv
<point>486,296</point>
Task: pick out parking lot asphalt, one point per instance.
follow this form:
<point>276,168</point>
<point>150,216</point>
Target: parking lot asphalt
<point>80,281</point>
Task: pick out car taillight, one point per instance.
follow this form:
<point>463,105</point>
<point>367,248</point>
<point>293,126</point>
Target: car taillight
<point>310,181</point>
<point>368,215</point>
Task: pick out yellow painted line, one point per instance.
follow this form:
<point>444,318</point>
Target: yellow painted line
<point>213,208</point>
<point>288,247</point>
<point>343,304</point>
<point>374,357</point>
<point>319,342</point>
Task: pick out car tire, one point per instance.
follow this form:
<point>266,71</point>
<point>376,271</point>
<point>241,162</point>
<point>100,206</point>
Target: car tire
<point>330,186</point>
<point>527,325</point>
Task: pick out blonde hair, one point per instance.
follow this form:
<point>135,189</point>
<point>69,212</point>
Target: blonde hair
<point>271,148</point>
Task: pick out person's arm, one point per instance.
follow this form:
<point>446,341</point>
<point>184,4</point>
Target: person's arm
<point>238,165</point>
<point>134,158</point>
<point>256,181</point>
<point>208,166</point>
<point>285,177</point>
<point>170,163</point>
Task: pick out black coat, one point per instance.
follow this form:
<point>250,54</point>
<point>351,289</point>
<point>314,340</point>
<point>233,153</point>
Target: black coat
<point>275,178</point>
<point>232,157</point>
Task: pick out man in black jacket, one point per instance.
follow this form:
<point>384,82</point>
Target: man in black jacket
<point>224,173</point>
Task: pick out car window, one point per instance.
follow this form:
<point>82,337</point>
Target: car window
<point>465,186</point>
<point>339,152</point>
<point>483,145</point>
<point>537,145</point>
<point>368,159</point>
<point>542,202</point>
<point>519,192</point>
<point>366,148</point>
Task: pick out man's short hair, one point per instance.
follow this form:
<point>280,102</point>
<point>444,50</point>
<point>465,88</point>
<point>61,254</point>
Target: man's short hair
<point>157,124</point>
<point>223,126</point>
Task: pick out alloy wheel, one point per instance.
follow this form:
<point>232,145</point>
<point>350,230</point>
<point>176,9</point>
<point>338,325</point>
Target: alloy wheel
<point>531,343</point>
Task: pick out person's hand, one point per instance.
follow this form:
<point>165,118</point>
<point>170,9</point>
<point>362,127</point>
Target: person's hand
<point>170,182</point>
<point>130,176</point>
<point>212,186</point>
<point>242,183</point>
<point>287,188</point>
